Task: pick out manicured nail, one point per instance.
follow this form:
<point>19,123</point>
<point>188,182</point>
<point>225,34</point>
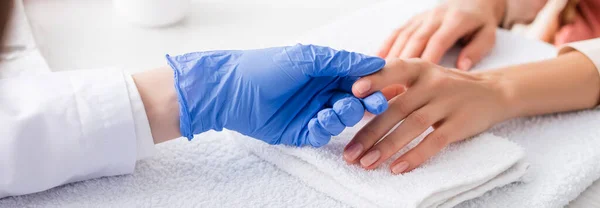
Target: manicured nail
<point>400,167</point>
<point>465,64</point>
<point>353,151</point>
<point>362,86</point>
<point>370,158</point>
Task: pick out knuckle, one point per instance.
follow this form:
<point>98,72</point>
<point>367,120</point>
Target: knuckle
<point>461,16</point>
<point>403,37</point>
<point>418,62</point>
<point>366,133</point>
<point>420,119</point>
<point>419,156</point>
<point>393,145</point>
<point>398,63</point>
<point>402,107</point>
<point>440,140</point>
<point>439,81</point>
<point>438,10</point>
<point>420,37</point>
<point>439,40</point>
<point>394,63</point>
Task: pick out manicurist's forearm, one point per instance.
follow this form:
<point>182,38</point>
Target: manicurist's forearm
<point>156,88</point>
<point>568,82</point>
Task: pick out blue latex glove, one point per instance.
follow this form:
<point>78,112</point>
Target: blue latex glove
<point>297,95</point>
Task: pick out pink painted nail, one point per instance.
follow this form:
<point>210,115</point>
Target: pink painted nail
<point>362,86</point>
<point>370,158</point>
<point>353,151</point>
<point>400,167</point>
<point>466,64</point>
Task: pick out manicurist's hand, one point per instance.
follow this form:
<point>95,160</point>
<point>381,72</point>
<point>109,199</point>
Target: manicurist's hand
<point>296,95</point>
<point>457,104</point>
<point>429,35</point>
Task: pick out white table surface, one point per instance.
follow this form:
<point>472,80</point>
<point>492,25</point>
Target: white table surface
<point>75,34</point>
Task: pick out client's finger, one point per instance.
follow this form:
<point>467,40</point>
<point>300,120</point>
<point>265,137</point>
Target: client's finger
<point>400,107</point>
<point>413,126</point>
<point>347,107</point>
<point>397,71</point>
<point>417,42</point>
<point>389,42</point>
<point>329,120</point>
<point>393,90</point>
<point>430,146</point>
<point>451,30</point>
<point>317,135</point>
<point>402,37</point>
<point>481,44</point>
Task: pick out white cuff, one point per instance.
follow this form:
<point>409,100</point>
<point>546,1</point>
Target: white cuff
<point>143,135</point>
<point>589,48</point>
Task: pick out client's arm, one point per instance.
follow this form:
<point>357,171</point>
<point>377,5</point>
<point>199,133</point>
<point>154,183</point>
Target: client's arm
<point>460,104</point>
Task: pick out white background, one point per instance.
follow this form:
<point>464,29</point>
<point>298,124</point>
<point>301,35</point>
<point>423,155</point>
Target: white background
<point>80,34</point>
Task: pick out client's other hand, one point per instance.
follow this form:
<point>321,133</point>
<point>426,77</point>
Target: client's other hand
<point>429,35</point>
<point>457,104</point>
<point>296,95</point>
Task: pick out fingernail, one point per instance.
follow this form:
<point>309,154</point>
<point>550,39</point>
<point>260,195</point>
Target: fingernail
<point>370,158</point>
<point>363,86</point>
<point>353,151</point>
<point>400,167</point>
<point>465,64</point>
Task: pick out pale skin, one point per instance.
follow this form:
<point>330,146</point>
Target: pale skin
<point>156,88</point>
<point>460,104</point>
<point>430,34</point>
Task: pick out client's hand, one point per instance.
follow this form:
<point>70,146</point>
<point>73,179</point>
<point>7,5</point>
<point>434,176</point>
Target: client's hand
<point>430,34</point>
<point>297,95</point>
<point>456,103</point>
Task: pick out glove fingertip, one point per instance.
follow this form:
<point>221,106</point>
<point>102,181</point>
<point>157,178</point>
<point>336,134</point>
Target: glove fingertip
<point>329,120</point>
<point>317,136</point>
<point>349,110</point>
<point>375,103</point>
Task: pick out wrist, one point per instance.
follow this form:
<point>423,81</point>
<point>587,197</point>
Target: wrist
<point>503,89</point>
<point>200,92</point>
<point>160,102</point>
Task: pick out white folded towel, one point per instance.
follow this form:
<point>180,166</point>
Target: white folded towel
<point>462,171</point>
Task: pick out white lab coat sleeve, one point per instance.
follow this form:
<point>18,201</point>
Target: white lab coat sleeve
<point>145,142</point>
<point>63,127</point>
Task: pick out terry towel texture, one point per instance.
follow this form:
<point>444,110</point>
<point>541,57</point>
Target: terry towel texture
<point>462,171</point>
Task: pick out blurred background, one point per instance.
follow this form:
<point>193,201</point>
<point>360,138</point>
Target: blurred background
<point>76,34</point>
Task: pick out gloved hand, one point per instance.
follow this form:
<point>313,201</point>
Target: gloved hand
<point>296,95</point>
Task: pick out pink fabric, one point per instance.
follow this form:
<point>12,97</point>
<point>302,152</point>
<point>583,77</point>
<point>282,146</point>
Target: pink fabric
<point>586,24</point>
